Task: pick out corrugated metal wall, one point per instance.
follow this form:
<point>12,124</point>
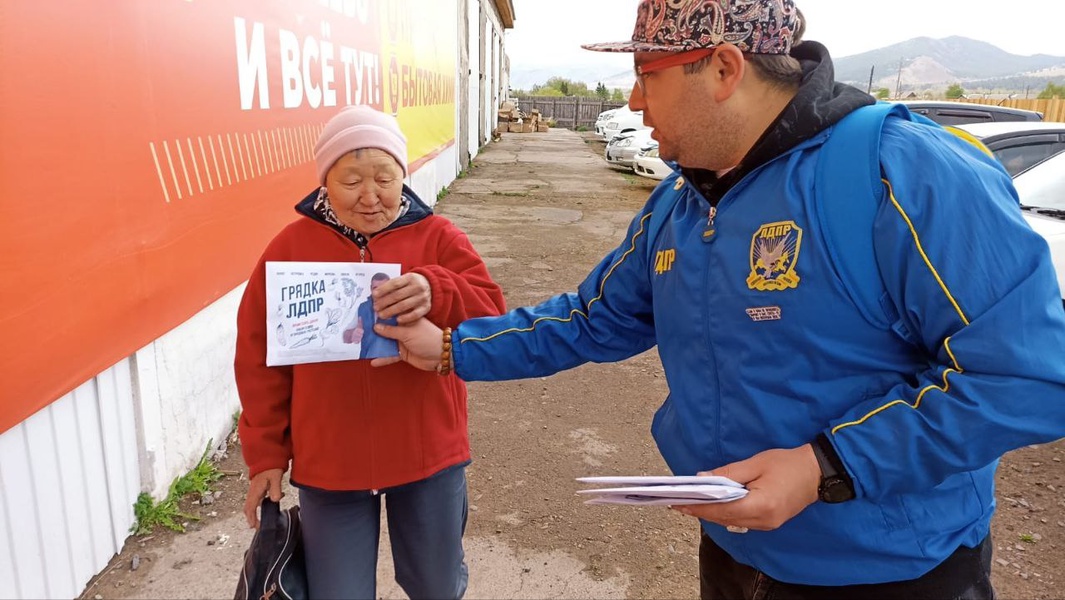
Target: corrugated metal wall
<point>68,480</point>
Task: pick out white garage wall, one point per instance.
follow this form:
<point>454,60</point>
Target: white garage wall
<point>474,96</point>
<point>185,394</point>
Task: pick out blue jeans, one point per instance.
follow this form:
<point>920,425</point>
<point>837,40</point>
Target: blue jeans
<point>426,521</point>
<point>964,575</point>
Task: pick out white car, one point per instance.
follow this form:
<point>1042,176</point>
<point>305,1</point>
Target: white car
<point>621,121</point>
<point>603,118</point>
<point>1042,186</point>
<point>1019,144</point>
<point>624,146</point>
<point>1041,189</point>
<point>647,163</point>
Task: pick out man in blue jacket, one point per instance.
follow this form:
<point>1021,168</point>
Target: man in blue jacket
<point>372,345</point>
<point>867,431</point>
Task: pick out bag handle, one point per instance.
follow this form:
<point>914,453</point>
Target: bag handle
<point>269,514</point>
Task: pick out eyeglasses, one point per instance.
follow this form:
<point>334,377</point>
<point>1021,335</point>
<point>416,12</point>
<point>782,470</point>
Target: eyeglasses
<point>673,60</point>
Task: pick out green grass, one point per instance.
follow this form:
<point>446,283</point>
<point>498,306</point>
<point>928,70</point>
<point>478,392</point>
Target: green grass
<point>463,174</point>
<point>1028,538</point>
<point>199,479</point>
<point>166,513</point>
<point>631,178</point>
<point>151,514</point>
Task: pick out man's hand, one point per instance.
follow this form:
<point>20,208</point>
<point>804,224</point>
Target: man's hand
<point>420,344</point>
<point>267,482</point>
<point>781,484</point>
<point>358,332</point>
<point>407,297</point>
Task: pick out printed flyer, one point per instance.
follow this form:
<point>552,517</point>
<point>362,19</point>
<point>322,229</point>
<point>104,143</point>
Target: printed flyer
<point>322,312</point>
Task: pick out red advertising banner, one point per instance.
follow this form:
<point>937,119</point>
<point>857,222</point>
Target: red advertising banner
<point>151,150</point>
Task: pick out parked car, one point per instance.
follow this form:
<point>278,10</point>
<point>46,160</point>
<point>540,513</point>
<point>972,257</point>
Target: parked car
<point>647,163</point>
<point>1041,189</point>
<point>622,121</point>
<point>623,147</point>
<point>1019,145</point>
<point>603,118</point>
<point>958,113</point>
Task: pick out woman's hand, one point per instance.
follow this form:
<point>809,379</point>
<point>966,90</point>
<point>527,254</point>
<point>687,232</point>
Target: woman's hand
<point>407,297</point>
<point>420,344</point>
<point>267,482</point>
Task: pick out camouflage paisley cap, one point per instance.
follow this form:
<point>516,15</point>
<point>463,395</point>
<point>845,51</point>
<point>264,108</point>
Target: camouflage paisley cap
<point>753,26</point>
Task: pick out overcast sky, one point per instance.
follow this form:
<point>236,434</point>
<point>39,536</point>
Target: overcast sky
<point>549,32</point>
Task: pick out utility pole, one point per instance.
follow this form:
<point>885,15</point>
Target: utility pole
<point>870,90</point>
<point>898,82</point>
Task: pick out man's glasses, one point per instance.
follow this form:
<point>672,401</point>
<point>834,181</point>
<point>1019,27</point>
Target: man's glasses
<point>673,60</point>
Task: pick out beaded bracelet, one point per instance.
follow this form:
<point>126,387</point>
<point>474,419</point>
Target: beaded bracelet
<point>445,354</point>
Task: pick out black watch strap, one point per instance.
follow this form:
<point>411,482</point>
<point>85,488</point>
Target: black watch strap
<point>836,484</point>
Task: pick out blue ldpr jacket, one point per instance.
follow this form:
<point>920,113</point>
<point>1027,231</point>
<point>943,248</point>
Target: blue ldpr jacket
<point>374,345</point>
<point>763,348</point>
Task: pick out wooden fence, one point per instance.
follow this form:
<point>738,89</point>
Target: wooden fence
<point>1053,109</point>
<point>574,112</point>
<point>569,112</point>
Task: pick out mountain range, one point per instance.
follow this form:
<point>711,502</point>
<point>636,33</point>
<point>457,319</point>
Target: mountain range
<point>925,63</point>
<point>919,65</point>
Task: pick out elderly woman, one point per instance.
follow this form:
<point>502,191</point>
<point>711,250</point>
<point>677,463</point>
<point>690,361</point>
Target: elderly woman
<point>354,433</point>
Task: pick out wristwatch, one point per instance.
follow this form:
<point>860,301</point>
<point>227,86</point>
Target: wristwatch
<point>836,485</point>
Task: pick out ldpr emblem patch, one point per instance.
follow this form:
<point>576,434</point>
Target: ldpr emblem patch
<point>774,253</point>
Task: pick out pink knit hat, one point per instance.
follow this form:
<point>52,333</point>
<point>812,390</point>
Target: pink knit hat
<point>354,128</point>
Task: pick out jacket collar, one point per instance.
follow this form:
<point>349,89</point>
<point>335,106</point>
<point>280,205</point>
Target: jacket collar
<point>416,211</point>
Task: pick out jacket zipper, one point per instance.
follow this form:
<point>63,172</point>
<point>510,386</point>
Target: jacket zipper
<point>727,198</point>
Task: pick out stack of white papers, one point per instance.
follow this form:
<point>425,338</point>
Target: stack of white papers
<point>654,491</point>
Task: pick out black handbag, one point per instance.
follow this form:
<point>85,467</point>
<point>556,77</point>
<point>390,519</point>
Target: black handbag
<point>273,563</point>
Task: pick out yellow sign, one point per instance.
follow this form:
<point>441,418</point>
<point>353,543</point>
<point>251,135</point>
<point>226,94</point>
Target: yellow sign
<point>418,39</point>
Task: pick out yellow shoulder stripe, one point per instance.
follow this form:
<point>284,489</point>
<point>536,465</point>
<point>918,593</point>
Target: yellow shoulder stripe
<point>972,139</point>
<point>924,256</point>
<point>574,312</point>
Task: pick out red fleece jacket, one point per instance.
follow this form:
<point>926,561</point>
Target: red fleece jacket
<point>347,425</point>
